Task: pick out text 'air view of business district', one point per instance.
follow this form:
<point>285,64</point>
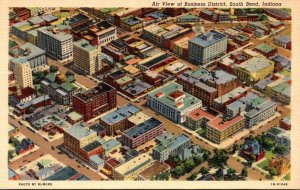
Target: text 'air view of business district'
<point>195,94</point>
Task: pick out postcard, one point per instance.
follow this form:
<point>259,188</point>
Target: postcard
<point>150,94</point>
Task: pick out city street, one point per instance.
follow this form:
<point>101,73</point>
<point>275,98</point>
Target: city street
<point>45,148</point>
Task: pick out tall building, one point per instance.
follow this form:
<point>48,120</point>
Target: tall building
<point>23,73</point>
<point>35,55</point>
<point>207,47</point>
<point>87,58</point>
<point>142,133</point>
<point>57,44</point>
<point>95,101</point>
<point>172,102</point>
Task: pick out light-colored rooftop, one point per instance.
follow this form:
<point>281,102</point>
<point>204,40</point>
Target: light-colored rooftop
<point>255,64</point>
<point>232,94</point>
<point>138,118</point>
<point>79,132</point>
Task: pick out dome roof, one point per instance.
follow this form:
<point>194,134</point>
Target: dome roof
<point>61,78</point>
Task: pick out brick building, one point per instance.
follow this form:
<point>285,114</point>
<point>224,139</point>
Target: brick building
<point>95,101</point>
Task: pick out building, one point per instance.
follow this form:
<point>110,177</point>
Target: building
<point>21,29</point>
<point>57,44</point>
<point>130,169</point>
<point>254,69</point>
<point>189,18</point>
<point>117,120</point>
<point>282,93</point>
<point>98,34</point>
<point>86,57</point>
<point>255,108</point>
<point>22,96</point>
<point>173,146</point>
<point>278,14</point>
<point>131,23</point>
<point>252,150</point>
<point>285,123</point>
<point>36,56</point>
<point>82,142</point>
<point>142,133</point>
<point>283,41</point>
<point>155,170</point>
<point>207,85</point>
<point>192,85</point>
<point>138,118</point>
<point>95,101</point>
<point>110,146</point>
<point>36,11</point>
<point>235,94</point>
<point>219,129</point>
<point>101,132</point>
<point>282,165</point>
<point>198,119</point>
<point>207,47</point>
<point>280,136</point>
<point>12,175</point>
<point>96,162</point>
<point>23,73</point>
<point>22,108</point>
<point>73,117</point>
<point>22,13</point>
<point>266,49</point>
<point>59,87</point>
<point>172,102</point>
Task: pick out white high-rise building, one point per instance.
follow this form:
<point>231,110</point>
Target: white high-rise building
<point>87,58</point>
<point>57,44</point>
<point>23,74</point>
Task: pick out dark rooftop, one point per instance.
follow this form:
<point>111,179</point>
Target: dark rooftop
<point>91,146</point>
<point>94,92</point>
<point>63,174</point>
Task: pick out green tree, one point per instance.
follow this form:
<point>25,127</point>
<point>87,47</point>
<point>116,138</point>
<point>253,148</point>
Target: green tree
<point>205,155</point>
<point>231,171</point>
<point>272,171</point>
<point>192,177</point>
<point>179,170</point>
<point>204,170</point>
<point>198,160</point>
<point>280,149</point>
<point>69,73</point>
<point>244,172</point>
<point>220,158</point>
<point>189,164</point>
<point>267,143</point>
<point>53,69</point>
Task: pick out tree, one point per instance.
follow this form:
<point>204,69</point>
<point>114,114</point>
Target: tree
<point>198,160</point>
<point>69,73</point>
<point>231,171</point>
<point>235,148</point>
<point>205,155</point>
<point>220,158</point>
<point>280,149</point>
<point>267,143</point>
<point>204,170</point>
<point>163,177</point>
<point>192,177</point>
<point>273,171</point>
<point>189,164</point>
<point>53,69</point>
<point>244,172</point>
<point>179,170</point>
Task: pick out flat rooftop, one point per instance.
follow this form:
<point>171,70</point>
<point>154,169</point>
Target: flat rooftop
<point>168,95</point>
<point>79,132</point>
<point>230,95</point>
<point>154,170</point>
<point>138,118</point>
<point>221,125</point>
<point>85,45</point>
<point>208,39</point>
<point>142,128</point>
<point>255,64</point>
<point>200,113</point>
<point>94,92</point>
<point>120,114</point>
<point>134,164</point>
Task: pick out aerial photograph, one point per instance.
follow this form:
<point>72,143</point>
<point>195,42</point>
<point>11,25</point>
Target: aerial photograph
<point>153,94</point>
